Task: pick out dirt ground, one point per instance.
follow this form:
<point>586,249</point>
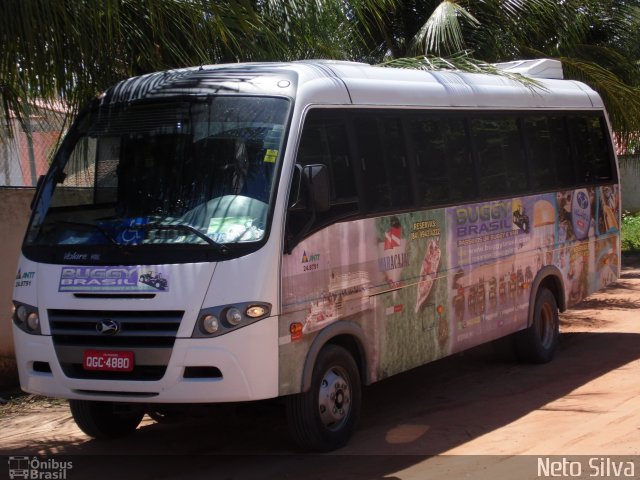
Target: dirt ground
<point>464,416</point>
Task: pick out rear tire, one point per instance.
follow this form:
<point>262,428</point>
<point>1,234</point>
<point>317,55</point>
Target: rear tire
<point>538,343</point>
<point>323,418</point>
<point>103,420</point>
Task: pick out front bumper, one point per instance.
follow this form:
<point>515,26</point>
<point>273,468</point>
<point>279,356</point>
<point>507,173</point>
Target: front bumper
<point>246,358</point>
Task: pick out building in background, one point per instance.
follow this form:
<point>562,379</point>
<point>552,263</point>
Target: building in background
<point>26,155</point>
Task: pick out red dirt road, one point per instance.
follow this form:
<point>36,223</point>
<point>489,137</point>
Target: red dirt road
<point>585,402</point>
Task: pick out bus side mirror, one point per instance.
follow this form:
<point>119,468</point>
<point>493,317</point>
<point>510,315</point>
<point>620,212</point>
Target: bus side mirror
<point>317,181</point>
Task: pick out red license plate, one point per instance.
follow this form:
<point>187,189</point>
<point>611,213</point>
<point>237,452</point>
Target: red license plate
<point>108,361</point>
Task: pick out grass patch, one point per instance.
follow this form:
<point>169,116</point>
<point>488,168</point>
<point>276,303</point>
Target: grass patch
<point>630,233</point>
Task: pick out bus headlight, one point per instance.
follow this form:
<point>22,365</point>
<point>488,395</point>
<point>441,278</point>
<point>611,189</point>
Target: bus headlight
<point>21,313</point>
<point>209,323</point>
<point>215,321</point>
<point>26,318</point>
<point>33,322</point>
<point>256,311</point>
<point>234,317</point>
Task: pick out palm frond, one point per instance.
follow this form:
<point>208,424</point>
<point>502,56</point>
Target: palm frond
<point>442,31</point>
<point>461,62</point>
<point>621,99</point>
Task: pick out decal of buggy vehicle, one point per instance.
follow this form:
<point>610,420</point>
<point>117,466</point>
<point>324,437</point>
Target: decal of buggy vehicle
<point>154,280</point>
<point>520,217</point>
<point>113,279</point>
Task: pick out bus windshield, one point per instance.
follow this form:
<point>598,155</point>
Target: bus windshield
<point>195,171</point>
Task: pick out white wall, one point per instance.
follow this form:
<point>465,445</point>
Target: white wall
<point>14,215</point>
<point>630,182</point>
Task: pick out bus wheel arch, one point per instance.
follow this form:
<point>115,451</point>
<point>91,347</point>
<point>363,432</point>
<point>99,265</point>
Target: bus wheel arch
<point>549,277</point>
<point>538,342</point>
<point>347,335</point>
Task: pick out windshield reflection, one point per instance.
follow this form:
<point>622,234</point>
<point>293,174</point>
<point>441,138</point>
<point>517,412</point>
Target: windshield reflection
<point>197,172</point>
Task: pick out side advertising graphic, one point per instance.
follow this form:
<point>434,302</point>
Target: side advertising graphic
<point>490,284</point>
<point>410,315</point>
<point>423,285</point>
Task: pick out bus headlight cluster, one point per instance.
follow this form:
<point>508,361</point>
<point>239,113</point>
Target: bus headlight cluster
<point>26,318</point>
<point>216,321</point>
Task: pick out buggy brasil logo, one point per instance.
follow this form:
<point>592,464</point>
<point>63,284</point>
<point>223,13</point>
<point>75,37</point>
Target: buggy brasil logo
<point>38,469</point>
<point>113,279</point>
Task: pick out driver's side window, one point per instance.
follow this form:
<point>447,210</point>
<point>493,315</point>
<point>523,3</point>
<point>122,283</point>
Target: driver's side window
<point>325,141</point>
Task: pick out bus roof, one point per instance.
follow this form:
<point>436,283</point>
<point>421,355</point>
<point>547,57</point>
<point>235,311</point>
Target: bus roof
<point>350,83</point>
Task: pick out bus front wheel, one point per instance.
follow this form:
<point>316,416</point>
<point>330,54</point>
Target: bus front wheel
<point>538,343</point>
<point>323,418</point>
<point>102,420</point>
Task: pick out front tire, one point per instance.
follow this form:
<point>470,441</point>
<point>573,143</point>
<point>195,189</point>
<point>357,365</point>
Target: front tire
<point>103,420</point>
<point>323,418</point>
<point>538,343</point>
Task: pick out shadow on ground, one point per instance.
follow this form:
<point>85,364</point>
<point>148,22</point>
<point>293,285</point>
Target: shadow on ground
<point>444,404</point>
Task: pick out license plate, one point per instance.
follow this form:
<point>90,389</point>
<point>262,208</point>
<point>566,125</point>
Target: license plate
<point>108,361</point>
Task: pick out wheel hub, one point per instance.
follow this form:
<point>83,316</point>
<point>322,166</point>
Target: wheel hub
<point>334,399</point>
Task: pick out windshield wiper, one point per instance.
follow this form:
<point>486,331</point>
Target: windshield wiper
<point>181,226</point>
<point>90,226</point>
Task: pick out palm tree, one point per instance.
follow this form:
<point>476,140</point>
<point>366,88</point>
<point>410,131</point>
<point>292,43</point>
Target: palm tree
<point>73,49</point>
<point>596,40</point>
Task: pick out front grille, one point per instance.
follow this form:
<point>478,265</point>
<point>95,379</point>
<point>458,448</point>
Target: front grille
<point>149,334</point>
<point>137,329</point>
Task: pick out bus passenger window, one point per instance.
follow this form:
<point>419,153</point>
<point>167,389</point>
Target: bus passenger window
<point>501,164</point>
<point>383,161</point>
<point>376,185</point>
<point>395,159</point>
<point>549,152</point>
<point>588,135</point>
<point>443,162</point>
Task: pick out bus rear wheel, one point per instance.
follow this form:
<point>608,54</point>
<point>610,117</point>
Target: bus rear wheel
<point>538,343</point>
<point>103,420</point>
<point>323,418</point>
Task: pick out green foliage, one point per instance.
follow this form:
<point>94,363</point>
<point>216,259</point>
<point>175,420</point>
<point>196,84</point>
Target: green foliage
<point>630,233</point>
<point>73,49</point>
<point>596,40</point>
